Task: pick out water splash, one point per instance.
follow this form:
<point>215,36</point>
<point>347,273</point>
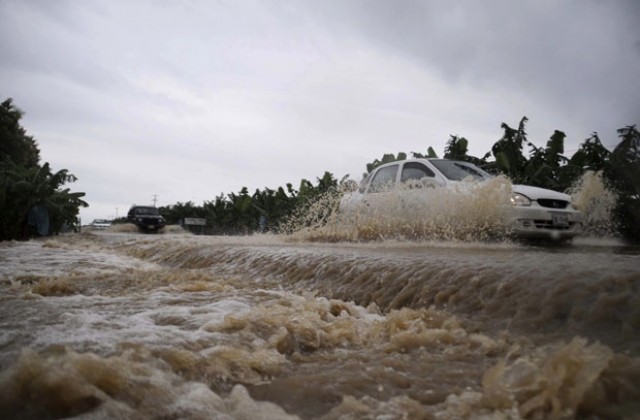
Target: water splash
<point>471,211</point>
<point>591,196</point>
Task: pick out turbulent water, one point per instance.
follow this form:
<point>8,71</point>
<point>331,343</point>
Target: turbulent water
<point>119,325</point>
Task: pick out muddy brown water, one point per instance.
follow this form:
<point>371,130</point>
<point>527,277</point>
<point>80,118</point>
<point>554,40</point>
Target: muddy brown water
<point>117,325</point>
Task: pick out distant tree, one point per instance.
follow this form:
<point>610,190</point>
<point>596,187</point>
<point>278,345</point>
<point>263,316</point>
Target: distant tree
<point>216,213</point>
<point>306,191</point>
<point>457,149</point>
<point>545,165</point>
<point>15,144</point>
<point>507,151</point>
<point>243,215</point>
<point>276,205</point>
<point>624,174</point>
<point>430,154</point>
<point>386,158</point>
<point>176,213</point>
<point>309,192</point>
<point>590,156</point>
<point>326,183</point>
<point>625,161</point>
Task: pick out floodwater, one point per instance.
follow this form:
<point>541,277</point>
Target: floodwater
<point>119,325</point>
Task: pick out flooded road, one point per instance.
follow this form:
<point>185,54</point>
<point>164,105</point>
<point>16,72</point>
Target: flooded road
<point>116,325</point>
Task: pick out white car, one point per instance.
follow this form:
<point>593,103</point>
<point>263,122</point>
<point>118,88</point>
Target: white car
<point>412,188</point>
<point>100,224</point>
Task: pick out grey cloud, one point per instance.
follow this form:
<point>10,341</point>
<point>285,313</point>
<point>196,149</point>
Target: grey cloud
<point>578,57</point>
<point>230,92</point>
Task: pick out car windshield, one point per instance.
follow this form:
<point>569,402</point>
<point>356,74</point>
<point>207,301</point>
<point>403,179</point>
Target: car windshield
<point>150,211</point>
<point>457,170</point>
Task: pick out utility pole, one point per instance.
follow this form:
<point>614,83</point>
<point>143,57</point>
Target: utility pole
<point>155,199</point>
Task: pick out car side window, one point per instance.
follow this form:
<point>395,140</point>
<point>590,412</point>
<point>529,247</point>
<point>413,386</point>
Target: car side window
<point>413,172</point>
<point>384,179</point>
<point>364,183</point>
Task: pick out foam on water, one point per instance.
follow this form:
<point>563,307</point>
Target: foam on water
<point>574,289</point>
<point>262,327</point>
<point>61,383</point>
<point>56,258</point>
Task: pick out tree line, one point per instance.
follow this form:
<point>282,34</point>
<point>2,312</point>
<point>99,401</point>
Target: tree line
<point>245,213</point>
<point>33,201</point>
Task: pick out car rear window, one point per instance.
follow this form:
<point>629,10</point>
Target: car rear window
<point>415,171</point>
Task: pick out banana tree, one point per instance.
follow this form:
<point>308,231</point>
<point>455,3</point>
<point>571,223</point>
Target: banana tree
<point>624,174</point>
<point>508,152</point>
<point>23,188</point>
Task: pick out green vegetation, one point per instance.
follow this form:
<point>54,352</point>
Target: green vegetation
<point>32,201</point>
<point>241,213</point>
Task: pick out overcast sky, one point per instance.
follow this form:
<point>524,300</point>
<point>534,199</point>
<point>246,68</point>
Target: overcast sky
<point>185,100</point>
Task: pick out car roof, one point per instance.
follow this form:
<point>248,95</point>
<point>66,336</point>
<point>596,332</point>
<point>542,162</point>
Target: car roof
<point>398,162</point>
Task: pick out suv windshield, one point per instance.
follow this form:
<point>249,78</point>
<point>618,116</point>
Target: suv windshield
<point>147,211</point>
<point>457,170</point>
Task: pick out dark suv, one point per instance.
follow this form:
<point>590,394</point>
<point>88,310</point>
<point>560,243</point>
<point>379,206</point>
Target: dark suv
<point>147,218</point>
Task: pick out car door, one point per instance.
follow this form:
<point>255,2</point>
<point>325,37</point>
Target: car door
<point>418,185</point>
<point>380,194</point>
